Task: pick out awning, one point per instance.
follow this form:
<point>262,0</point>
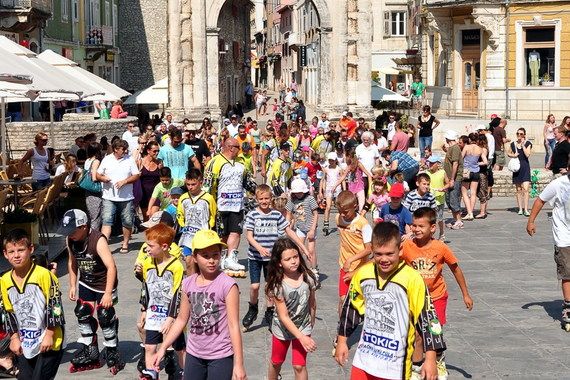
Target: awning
<point>382,94</point>
<point>388,70</point>
<point>155,94</point>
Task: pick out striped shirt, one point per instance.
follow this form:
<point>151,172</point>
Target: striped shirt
<point>415,201</point>
<point>267,228</point>
<point>405,161</point>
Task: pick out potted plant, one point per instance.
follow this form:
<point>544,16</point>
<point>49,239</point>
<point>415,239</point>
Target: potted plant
<point>21,218</point>
<point>547,80</point>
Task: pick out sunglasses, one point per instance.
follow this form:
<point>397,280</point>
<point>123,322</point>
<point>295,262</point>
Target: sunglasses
<point>154,151</point>
<point>44,140</point>
<point>520,134</point>
<point>234,146</point>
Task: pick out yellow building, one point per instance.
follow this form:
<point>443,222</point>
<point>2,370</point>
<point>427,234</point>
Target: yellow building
<point>502,57</point>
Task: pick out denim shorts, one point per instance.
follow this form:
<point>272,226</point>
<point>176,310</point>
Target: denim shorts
<point>453,197</point>
<point>125,208</point>
<point>255,268</point>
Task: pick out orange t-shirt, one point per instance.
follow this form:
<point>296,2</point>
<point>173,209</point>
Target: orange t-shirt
<point>354,236</point>
<point>429,260</point>
<point>248,139</point>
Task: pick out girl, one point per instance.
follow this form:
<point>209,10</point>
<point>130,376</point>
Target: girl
<point>473,159</point>
<point>329,189</point>
<point>353,174</point>
<point>210,303</point>
<point>522,149</point>
<point>549,140</point>
<point>378,198</point>
<point>399,177</point>
<point>291,285</point>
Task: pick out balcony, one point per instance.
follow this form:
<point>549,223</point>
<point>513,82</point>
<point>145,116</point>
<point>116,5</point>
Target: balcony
<point>294,39</point>
<point>24,15</point>
<point>99,36</point>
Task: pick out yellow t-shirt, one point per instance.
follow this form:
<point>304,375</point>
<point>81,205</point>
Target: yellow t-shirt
<point>354,235</point>
<point>437,181</point>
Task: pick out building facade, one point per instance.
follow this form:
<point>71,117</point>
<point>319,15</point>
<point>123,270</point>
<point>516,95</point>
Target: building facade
<point>23,20</point>
<point>504,57</point>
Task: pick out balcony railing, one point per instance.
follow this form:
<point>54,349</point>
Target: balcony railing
<point>42,5</point>
<point>100,35</point>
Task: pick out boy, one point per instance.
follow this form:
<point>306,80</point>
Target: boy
<point>196,211</point>
<point>263,227</point>
<point>395,212</point>
<point>355,237</point>
<point>393,300</point>
<point>90,257</point>
<point>247,158</point>
<point>281,170</point>
<point>439,182</point>
<point>160,298</point>
<point>32,302</point>
<point>160,197</point>
<point>172,207</point>
<point>420,197</point>
<point>427,256</point>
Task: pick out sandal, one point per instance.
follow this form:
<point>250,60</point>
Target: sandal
<point>124,250</point>
<point>457,225</point>
<point>481,216</point>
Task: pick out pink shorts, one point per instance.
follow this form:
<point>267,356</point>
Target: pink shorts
<point>279,350</point>
<point>342,286</point>
<point>440,306</point>
<point>359,374</point>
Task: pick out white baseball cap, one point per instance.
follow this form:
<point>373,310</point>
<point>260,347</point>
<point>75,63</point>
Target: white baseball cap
<point>451,135</point>
<point>299,186</point>
<point>332,156</point>
<point>481,127</point>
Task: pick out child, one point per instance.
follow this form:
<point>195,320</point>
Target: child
<point>292,285</point>
<point>353,174</point>
<point>32,302</point>
<point>355,236</point>
<point>263,227</point>
<point>196,210</point>
<point>379,174</point>
<point>300,167</point>
<point>395,212</point>
<point>329,190</point>
<point>279,204</point>
<point>281,171</point>
<point>399,178</point>
<point>378,198</point>
<point>275,106</point>
<point>70,168</point>
<point>315,173</point>
<point>427,256</point>
<point>90,257</point>
<point>439,183</point>
<point>247,159</point>
<point>175,195</point>
<point>210,309</point>
<point>160,299</point>
<point>420,197</point>
<point>393,301</point>
<point>303,216</point>
<point>160,197</point>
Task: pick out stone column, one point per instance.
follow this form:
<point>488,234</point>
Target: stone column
<point>364,43</point>
<point>338,56</point>
<point>175,89</point>
<point>325,80</point>
<point>200,88</point>
<point>212,70</point>
<point>186,59</point>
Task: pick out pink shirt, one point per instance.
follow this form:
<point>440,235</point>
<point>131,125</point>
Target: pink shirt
<point>208,332</point>
<point>401,141</point>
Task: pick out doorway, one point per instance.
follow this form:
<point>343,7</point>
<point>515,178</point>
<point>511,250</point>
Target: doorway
<point>471,80</point>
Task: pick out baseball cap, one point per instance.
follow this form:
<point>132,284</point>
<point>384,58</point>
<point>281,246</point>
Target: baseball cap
<point>480,127</point>
<point>493,116</point>
<point>344,114</point>
<point>451,135</point>
<point>227,121</point>
<point>176,191</point>
<point>397,190</point>
<point>245,146</point>
<point>159,217</point>
<point>332,156</point>
<point>206,238</point>
<point>299,186</point>
<point>285,146</point>
<point>72,219</point>
<point>433,159</point>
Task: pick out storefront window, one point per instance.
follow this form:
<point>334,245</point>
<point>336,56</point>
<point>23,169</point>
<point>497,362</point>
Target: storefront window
<point>539,56</point>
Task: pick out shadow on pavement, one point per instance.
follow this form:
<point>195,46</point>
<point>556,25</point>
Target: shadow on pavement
<point>129,351</point>
<point>553,308</point>
<point>460,370</point>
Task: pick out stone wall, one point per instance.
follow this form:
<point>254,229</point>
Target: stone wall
<point>21,135</point>
<point>504,182</point>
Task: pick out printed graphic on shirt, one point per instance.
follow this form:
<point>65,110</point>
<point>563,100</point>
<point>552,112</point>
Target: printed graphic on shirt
<point>426,266</point>
<point>392,219</point>
<point>299,213</point>
<point>205,313</point>
<point>159,294</point>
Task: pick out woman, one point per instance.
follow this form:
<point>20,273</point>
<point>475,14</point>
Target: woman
<point>549,140</point>
<point>566,123</point>
<point>473,158</point>
<point>483,191</point>
<point>40,160</point>
<point>93,200</point>
<point>70,168</point>
<point>150,177</point>
<point>117,111</point>
<point>521,149</point>
<point>259,103</point>
<point>426,124</point>
<point>105,146</point>
<point>301,111</point>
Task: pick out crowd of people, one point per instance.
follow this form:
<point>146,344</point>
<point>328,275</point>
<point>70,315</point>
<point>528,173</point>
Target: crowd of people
<point>196,190</point>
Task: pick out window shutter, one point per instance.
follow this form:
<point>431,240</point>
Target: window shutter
<point>387,26</point>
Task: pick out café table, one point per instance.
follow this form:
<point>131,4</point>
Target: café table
<point>15,184</point>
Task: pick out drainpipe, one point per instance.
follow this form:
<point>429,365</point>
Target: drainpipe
<point>507,98</point>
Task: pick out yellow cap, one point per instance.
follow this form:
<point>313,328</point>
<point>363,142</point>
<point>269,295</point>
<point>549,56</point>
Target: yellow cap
<point>206,238</point>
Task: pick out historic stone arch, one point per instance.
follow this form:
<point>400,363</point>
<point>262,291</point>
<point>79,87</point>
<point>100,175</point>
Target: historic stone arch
<point>194,64</point>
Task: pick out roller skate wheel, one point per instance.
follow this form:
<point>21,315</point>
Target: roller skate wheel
<point>72,369</point>
<point>242,274</point>
<point>566,327</point>
<point>244,329</point>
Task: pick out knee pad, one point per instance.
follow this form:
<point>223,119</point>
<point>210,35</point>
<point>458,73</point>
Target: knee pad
<point>106,317</point>
<point>83,310</point>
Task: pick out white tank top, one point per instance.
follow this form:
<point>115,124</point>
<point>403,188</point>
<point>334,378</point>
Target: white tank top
<point>39,165</point>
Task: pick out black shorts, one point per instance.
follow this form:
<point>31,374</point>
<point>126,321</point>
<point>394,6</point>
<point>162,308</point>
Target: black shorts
<point>43,366</point>
<point>155,337</point>
<point>231,222</point>
<point>89,295</point>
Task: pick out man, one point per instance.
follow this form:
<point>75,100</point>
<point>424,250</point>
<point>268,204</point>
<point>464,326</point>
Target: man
<point>391,127</point>
<point>198,145</point>
<point>501,139</point>
<point>242,137</point>
<point>453,166</point>
<point>560,153</point>
<point>557,193</point>
<point>368,155</point>
<point>79,144</point>
<point>168,121</point>
<point>129,134</point>
<point>271,150</point>
<point>233,126</point>
<point>401,162</point>
<point>348,122</point>
<point>400,140</point>
<point>118,172</point>
<point>248,94</point>
<point>224,179</point>
<point>347,143</point>
<point>324,122</point>
<point>418,91</point>
<point>176,156</point>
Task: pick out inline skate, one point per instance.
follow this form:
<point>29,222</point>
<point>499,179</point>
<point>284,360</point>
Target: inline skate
<point>230,264</point>
<point>250,316</point>
<point>86,359</point>
<point>566,316</point>
<point>268,316</point>
<point>114,362</point>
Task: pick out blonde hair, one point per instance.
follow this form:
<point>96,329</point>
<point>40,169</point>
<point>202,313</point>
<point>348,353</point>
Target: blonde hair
<point>279,203</point>
<point>39,136</point>
<point>378,171</point>
<point>399,177</point>
<point>70,162</point>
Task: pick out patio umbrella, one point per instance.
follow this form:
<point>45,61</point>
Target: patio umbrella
<point>155,94</point>
<point>382,94</point>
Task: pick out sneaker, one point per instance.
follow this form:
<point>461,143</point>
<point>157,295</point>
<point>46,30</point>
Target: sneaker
<point>457,225</point>
<point>441,370</point>
<point>416,372</point>
<point>526,213</point>
<point>468,217</point>
<point>520,212</point>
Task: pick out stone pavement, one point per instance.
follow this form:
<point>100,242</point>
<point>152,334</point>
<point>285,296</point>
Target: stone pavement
<point>513,330</point>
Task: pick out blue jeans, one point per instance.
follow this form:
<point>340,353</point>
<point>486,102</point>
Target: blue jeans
<point>549,145</point>
<point>110,208</point>
<point>41,183</point>
<point>425,141</point>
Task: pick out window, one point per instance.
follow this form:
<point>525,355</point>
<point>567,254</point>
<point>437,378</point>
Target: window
<point>64,10</point>
<point>94,13</point>
<point>398,23</point>
<point>75,10</point>
<point>107,13</point>
<point>115,22</point>
<point>539,56</point>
